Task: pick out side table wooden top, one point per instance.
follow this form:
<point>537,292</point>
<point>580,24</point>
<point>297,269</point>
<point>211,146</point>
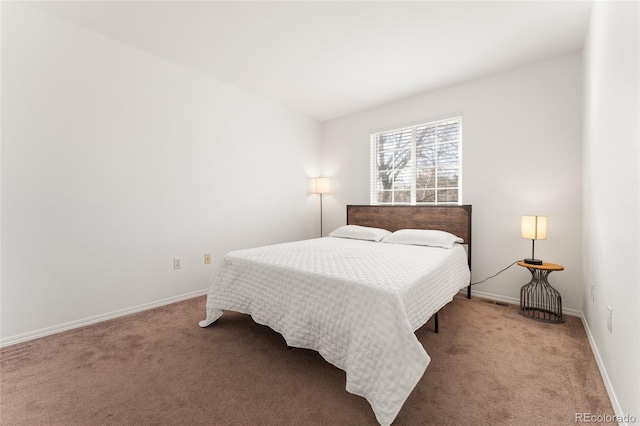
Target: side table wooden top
<point>545,266</point>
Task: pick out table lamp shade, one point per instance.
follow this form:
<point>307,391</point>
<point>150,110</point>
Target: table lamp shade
<point>534,227</point>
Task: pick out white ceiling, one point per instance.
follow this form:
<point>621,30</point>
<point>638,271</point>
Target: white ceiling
<point>331,58</point>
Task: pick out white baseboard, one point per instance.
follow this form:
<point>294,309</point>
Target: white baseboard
<point>603,372</point>
<point>515,301</point>
<point>98,318</point>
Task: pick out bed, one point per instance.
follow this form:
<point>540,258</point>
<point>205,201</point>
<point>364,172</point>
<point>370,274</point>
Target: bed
<point>357,302</point>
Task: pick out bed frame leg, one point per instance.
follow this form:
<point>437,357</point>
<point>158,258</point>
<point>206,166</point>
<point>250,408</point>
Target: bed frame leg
<point>436,323</point>
<point>468,292</point>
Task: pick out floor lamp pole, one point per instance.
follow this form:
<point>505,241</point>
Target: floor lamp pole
<point>320,215</point>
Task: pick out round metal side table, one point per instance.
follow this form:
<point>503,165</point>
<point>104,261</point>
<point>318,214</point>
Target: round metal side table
<point>538,300</point>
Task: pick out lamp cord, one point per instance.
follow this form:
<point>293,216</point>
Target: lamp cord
<point>488,278</point>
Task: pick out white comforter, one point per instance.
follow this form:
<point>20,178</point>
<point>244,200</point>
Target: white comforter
<point>356,302</point>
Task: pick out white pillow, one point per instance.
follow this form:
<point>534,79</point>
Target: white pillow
<point>360,233</point>
<point>423,237</point>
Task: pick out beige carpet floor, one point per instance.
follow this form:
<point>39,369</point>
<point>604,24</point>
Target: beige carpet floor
<point>489,366</point>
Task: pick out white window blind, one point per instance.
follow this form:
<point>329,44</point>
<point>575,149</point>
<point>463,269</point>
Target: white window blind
<point>418,164</point>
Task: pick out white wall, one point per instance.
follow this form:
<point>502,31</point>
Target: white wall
<point>612,196</point>
<point>115,161</point>
<point>521,156</point>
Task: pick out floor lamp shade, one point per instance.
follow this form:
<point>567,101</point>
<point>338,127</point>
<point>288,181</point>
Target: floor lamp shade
<point>319,185</point>
<point>533,228</point>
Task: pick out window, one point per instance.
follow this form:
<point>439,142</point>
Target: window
<point>417,165</point>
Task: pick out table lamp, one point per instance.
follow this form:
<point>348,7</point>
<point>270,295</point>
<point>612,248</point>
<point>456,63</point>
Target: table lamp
<point>534,228</point>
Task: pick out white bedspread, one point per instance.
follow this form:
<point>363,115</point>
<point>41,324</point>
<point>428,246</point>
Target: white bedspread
<point>356,302</point>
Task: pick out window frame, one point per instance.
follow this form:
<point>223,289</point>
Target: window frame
<point>374,190</point>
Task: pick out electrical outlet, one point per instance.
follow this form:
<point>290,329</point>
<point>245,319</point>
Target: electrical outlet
<point>207,258</point>
<point>177,263</point>
<point>610,319</point>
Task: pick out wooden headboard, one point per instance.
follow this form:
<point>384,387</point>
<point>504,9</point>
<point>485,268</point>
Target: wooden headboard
<point>454,219</point>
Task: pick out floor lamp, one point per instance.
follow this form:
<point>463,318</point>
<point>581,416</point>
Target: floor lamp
<point>320,185</point>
